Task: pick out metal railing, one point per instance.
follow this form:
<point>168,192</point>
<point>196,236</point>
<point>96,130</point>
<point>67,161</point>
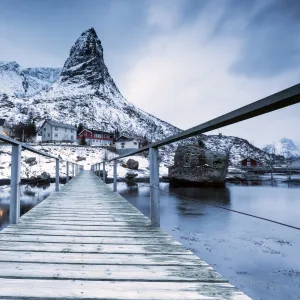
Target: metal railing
<point>15,180</point>
<point>268,104</point>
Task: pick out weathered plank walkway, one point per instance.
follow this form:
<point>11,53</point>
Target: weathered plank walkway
<point>86,242</point>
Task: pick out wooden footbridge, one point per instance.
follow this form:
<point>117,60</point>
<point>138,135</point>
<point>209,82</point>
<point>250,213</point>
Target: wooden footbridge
<point>87,242</point>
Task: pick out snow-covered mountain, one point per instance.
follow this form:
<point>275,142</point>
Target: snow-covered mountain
<point>239,149</point>
<point>85,93</point>
<point>285,147</point>
<point>22,82</point>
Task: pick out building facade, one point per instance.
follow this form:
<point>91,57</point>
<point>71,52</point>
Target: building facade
<point>125,144</point>
<point>96,137</point>
<point>52,131</point>
<point>249,163</point>
<point>2,123</point>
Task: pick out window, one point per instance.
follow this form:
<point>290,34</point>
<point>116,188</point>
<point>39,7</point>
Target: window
<point>72,130</point>
<point>48,134</point>
<point>56,128</point>
<point>248,164</point>
<point>72,138</point>
<point>65,129</point>
<point>134,143</point>
<point>56,135</point>
<point>45,129</point>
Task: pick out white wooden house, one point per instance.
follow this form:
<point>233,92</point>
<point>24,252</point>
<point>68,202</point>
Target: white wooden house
<point>125,144</point>
<point>56,131</point>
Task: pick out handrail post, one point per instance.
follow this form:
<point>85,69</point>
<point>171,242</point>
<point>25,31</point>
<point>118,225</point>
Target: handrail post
<point>73,170</point>
<point>115,175</point>
<point>14,210</point>
<point>154,188</point>
<point>57,176</point>
<point>99,170</point>
<point>104,175</point>
<point>67,171</point>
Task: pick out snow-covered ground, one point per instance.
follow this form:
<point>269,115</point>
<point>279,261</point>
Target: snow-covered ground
<point>85,156</point>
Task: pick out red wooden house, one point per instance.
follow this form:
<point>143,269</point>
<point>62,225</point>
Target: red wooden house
<point>96,137</point>
<point>249,163</point>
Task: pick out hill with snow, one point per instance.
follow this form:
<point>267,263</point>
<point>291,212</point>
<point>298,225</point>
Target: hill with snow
<point>23,82</point>
<point>285,147</point>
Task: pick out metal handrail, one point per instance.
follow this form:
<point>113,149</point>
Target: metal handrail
<point>14,211</point>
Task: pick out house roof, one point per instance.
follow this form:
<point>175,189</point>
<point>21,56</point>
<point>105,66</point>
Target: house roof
<point>96,131</point>
<point>59,124</point>
<point>2,121</point>
<point>250,158</point>
<point>123,138</point>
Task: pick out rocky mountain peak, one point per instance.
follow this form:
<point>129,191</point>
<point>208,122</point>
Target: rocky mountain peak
<point>85,65</point>
<point>285,147</point>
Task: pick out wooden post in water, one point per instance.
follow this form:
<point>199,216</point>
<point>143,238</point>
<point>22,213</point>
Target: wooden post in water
<point>115,175</point>
<point>154,188</point>
<point>14,209</point>
<point>67,171</point>
<point>57,175</point>
<point>104,175</point>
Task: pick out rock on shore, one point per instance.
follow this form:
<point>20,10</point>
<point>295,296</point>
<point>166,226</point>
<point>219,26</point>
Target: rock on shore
<point>195,165</point>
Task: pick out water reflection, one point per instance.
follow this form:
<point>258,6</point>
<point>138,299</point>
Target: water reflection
<point>30,196</point>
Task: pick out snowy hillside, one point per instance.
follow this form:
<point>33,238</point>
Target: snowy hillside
<point>285,147</point>
<point>24,82</point>
<point>85,93</point>
<point>239,149</point>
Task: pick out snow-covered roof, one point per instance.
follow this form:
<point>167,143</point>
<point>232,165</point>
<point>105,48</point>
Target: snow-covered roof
<point>59,124</point>
<point>124,138</point>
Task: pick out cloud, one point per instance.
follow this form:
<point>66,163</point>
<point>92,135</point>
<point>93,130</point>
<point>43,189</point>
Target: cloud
<point>184,76</point>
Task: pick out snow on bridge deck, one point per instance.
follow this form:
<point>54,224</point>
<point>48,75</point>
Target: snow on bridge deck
<point>86,242</point>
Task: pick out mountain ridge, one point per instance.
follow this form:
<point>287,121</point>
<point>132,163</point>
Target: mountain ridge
<point>18,81</point>
<point>285,147</point>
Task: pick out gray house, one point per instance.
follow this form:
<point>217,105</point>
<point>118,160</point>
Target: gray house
<point>56,131</point>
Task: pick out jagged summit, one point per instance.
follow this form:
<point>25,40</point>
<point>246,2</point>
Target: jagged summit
<point>85,65</point>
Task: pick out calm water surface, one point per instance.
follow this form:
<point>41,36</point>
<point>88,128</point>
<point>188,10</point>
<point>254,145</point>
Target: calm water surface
<point>260,258</point>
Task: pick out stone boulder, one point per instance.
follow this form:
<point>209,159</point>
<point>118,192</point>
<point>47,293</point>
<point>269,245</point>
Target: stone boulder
<point>45,176</point>
<point>194,165</point>
<point>132,164</point>
<point>80,158</point>
<point>31,161</point>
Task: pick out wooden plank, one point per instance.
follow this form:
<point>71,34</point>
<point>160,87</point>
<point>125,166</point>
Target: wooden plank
<point>101,259</point>
<point>76,289</point>
<point>94,218</point>
<point>103,233</point>
<point>21,226</point>
<point>93,248</point>
<point>109,272</point>
<point>89,240</point>
<point>82,223</point>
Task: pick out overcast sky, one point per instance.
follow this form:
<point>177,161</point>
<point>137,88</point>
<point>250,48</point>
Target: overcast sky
<point>183,61</point>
